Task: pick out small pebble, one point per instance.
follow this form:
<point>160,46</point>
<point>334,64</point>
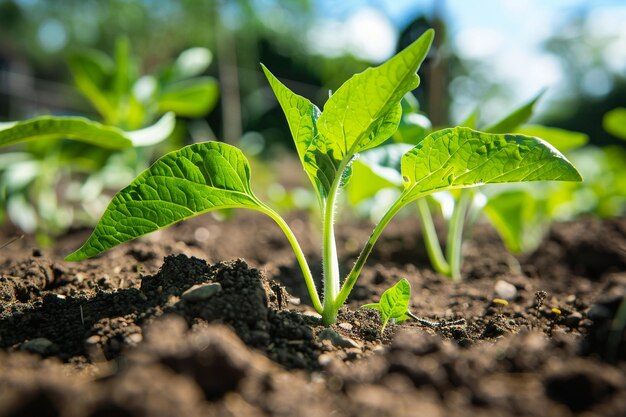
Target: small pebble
<point>202,292</point>
<point>133,339</point>
<point>325,359</point>
<point>346,326</point>
<point>337,340</point>
<point>92,340</point>
<point>505,290</point>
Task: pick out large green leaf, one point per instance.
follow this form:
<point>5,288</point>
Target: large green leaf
<point>182,184</point>
<point>614,122</point>
<point>51,127</point>
<point>394,303</point>
<point>194,97</point>
<point>461,157</point>
<point>365,110</point>
<point>370,101</point>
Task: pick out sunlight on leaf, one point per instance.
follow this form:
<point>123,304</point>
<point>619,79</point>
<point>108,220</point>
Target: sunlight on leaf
<point>193,180</point>
<point>461,157</point>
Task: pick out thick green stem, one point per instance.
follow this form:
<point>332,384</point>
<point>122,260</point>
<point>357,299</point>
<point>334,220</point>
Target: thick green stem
<point>455,234</point>
<point>433,247</point>
<point>304,266</point>
<point>365,252</point>
<point>330,261</point>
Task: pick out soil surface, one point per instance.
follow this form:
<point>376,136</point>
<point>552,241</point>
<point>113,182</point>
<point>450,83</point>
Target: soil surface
<point>211,318</point>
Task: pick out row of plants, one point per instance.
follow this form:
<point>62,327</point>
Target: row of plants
<point>370,139</point>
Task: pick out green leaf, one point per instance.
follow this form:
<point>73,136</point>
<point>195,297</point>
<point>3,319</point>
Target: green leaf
<point>413,128</point>
<point>302,118</point>
<point>394,303</point>
<point>77,128</point>
<point>508,213</point>
<point>92,71</point>
<point>85,130</point>
<point>471,120</point>
<point>514,120</point>
<point>182,184</point>
<point>191,62</point>
<point>365,110</point>
<point>461,157</point>
<point>563,140</point>
<point>614,122</point>
<point>155,133</point>
<point>194,97</point>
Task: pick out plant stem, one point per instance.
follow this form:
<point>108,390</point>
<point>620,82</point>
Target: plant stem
<point>304,266</point>
<point>433,247</point>
<point>367,249</point>
<point>330,261</point>
<point>455,234</point>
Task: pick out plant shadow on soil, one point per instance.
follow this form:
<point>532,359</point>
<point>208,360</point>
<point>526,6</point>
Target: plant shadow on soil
<point>146,330</point>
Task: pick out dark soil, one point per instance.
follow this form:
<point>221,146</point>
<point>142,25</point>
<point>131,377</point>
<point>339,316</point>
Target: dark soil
<point>164,326</point>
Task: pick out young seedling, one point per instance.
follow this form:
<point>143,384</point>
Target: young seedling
<point>394,306</point>
<point>360,115</point>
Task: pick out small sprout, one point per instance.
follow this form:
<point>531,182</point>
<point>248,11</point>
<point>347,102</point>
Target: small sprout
<point>394,307</point>
<point>394,304</point>
<point>500,301</point>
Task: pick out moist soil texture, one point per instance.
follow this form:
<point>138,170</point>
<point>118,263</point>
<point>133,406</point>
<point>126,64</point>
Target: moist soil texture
<point>212,318</point>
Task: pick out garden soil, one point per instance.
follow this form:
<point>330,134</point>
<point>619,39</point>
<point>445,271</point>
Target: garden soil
<point>211,318</point>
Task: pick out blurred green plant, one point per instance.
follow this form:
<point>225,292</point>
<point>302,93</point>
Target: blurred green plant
<point>53,183</point>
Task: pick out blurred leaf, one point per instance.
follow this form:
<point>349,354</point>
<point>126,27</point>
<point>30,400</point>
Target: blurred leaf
<point>563,140</point>
<point>92,71</point>
<point>191,62</point>
<point>508,213</point>
<point>77,128</point>
<point>190,98</point>
<point>413,128</point>
<point>517,118</point>
<point>154,134</point>
<point>375,170</point>
<point>85,130</point>
<point>471,121</point>
<point>614,122</point>
<point>123,76</point>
